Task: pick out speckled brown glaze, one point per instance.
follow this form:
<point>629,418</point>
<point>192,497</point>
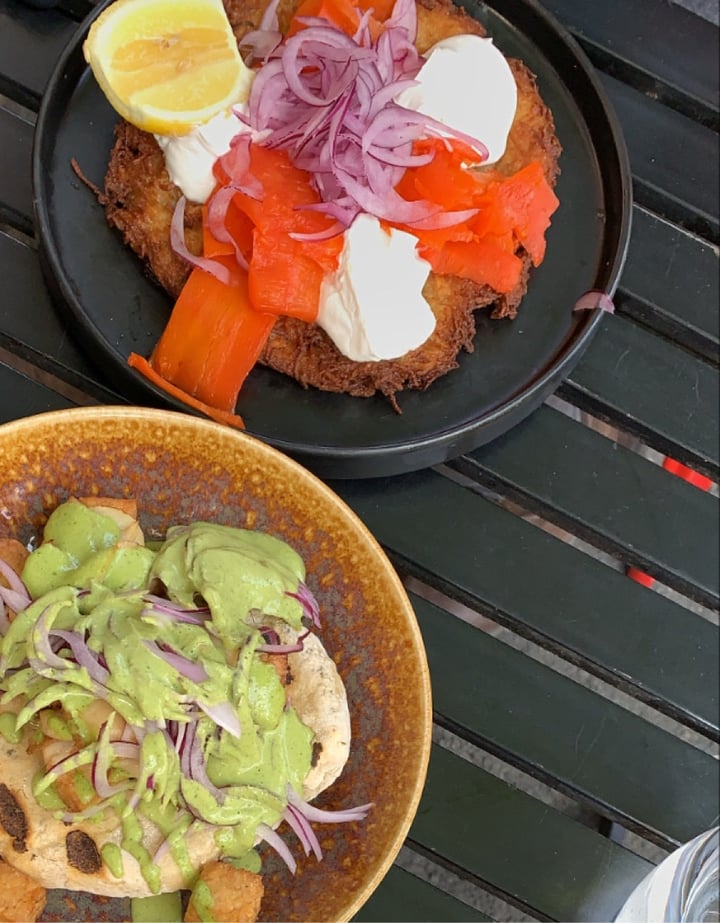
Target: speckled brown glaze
<point>182,468</point>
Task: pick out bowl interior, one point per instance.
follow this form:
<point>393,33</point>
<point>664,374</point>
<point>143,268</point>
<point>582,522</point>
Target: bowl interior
<point>182,469</point>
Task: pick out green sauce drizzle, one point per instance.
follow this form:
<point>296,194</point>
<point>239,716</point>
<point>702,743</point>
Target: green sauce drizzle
<point>82,581</point>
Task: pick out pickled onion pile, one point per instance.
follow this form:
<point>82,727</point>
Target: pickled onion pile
<point>328,99</point>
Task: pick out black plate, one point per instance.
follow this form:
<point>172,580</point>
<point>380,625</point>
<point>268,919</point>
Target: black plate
<point>115,309</point>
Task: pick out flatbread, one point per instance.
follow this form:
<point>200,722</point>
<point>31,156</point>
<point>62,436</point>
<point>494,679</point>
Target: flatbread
<point>60,855</point>
<point>318,694</point>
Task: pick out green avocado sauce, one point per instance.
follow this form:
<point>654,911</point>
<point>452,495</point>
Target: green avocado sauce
<point>112,857</point>
<point>249,860</point>
<point>8,728</point>
<point>80,547</point>
<point>235,571</point>
<point>203,900</point>
<point>81,581</point>
<point>83,787</point>
<point>48,798</point>
<point>59,728</point>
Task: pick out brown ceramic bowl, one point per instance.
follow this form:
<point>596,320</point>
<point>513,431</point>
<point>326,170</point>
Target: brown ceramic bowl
<point>182,468</point>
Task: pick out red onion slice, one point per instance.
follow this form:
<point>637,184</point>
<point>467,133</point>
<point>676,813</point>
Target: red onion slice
<point>17,596</point>
<point>265,39</point>
<point>125,749</point>
<point>174,615</point>
<point>387,207</point>
<point>404,17</point>
<point>165,615</point>
<point>83,655</point>
<point>304,832</point>
<point>270,635</point>
<point>177,241</point>
<point>236,165</point>
<point>323,816</point>
<point>261,44</point>
<point>273,839</point>
<point>443,220</point>
<point>276,647</point>
<point>269,17</point>
<point>162,849</point>
<point>40,638</point>
<point>280,648</point>
<point>95,809</point>
<point>198,772</point>
<point>40,666</point>
<point>167,605</point>
<point>15,601</point>
<point>100,781</point>
<point>195,672</point>
<point>101,762</point>
<point>328,100</point>
<point>183,746</point>
<point>305,597</point>
<point>595,300</point>
<point>182,727</point>
<point>224,716</point>
<point>217,207</point>
<point>67,763</point>
<point>291,815</point>
<point>332,231</point>
<point>13,578</point>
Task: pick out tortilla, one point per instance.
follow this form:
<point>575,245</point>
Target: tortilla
<point>60,855</point>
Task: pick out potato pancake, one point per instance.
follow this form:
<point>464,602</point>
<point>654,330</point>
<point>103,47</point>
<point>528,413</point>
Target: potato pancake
<point>140,199</point>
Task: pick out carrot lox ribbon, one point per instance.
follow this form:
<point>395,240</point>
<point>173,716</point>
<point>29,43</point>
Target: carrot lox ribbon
<point>345,14</point>
<point>291,253</point>
<point>213,339</point>
<point>217,330</point>
<point>511,210</point>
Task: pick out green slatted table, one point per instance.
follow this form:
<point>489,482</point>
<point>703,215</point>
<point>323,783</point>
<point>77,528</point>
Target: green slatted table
<point>642,383</point>
<point>587,479</point>
<point>576,710</point>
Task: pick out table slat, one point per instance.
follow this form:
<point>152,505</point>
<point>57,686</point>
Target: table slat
<point>526,850</point>
<point>30,44</point>
<point>15,185</point>
<point>681,300</point>
<point>683,71</point>
<point>32,327</point>
<point>647,385</point>
<point>566,735</point>
<point>607,494</point>
<point>21,397</point>
<point>674,173</point>
<point>544,589</point>
<point>402,896</point>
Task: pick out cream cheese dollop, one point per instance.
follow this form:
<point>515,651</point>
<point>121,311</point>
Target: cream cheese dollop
<point>372,306</point>
<point>467,84</point>
<point>189,158</point>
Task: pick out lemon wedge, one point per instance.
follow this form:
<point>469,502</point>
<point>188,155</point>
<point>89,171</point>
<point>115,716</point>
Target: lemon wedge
<point>167,66</point>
